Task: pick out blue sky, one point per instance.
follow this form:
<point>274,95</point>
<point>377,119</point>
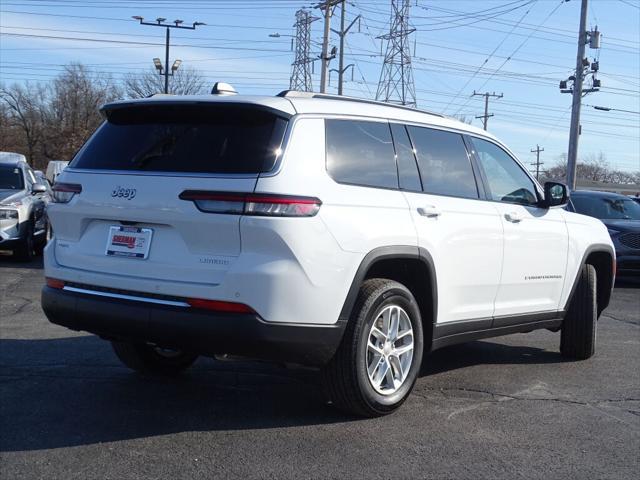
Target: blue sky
<point>521,49</point>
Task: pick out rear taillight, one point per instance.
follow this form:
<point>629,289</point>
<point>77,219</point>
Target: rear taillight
<point>260,204</point>
<point>64,192</point>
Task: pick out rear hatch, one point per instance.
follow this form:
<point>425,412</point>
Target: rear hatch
<point>128,218</point>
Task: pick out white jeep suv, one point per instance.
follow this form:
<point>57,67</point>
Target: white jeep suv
<point>333,232</point>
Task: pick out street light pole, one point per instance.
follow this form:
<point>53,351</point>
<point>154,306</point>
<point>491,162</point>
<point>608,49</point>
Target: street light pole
<point>176,24</point>
<point>325,57</point>
<point>342,33</point>
<point>166,63</point>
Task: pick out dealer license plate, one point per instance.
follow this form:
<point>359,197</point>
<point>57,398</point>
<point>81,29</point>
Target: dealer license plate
<point>132,242</point>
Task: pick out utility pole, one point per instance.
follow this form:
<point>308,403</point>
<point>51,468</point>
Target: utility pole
<point>176,24</point>
<point>342,33</point>
<point>584,37</point>
<point>486,95</point>
<point>325,57</point>
<point>300,71</point>
<point>537,163</point>
<point>396,78</point>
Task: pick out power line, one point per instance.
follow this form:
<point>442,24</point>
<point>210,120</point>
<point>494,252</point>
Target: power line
<point>491,54</point>
<point>520,46</point>
<point>630,4</point>
<point>609,109</point>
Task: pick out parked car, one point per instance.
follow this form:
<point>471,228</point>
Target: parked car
<point>621,215</point>
<point>23,223</point>
<point>55,168</point>
<point>340,233</point>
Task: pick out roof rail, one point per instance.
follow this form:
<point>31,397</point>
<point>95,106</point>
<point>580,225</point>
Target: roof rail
<point>344,98</point>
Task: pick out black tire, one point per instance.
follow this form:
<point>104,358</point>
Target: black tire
<point>345,378</point>
<point>39,246</point>
<point>26,250</point>
<point>147,359</point>
<point>578,335</point>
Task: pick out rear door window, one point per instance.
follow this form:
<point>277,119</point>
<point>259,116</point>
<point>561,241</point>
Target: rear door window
<point>361,153</point>
<point>206,138</point>
<point>445,167</point>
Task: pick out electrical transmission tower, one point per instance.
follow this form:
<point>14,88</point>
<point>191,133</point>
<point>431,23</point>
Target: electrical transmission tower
<point>396,79</point>
<point>301,66</point>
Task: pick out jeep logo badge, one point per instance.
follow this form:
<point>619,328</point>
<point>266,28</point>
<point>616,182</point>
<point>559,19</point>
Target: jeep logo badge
<point>128,193</point>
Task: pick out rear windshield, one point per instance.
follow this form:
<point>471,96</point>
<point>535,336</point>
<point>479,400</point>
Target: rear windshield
<point>239,139</point>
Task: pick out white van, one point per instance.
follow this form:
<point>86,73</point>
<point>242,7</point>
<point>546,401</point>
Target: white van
<point>55,168</point>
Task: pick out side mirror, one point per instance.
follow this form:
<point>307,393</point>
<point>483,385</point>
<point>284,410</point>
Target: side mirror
<point>38,188</point>
<point>555,195</point>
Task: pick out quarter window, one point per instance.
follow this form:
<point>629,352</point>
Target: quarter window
<point>444,164</point>
<point>507,180</point>
<point>361,153</point>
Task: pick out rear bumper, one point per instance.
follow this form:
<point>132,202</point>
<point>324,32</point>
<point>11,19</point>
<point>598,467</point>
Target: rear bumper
<point>192,329</point>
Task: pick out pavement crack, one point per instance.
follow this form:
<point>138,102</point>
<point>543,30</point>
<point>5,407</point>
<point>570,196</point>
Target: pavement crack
<point>623,320</point>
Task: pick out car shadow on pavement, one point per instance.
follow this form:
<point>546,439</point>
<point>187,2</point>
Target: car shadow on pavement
<point>73,391</point>
<point>487,353</point>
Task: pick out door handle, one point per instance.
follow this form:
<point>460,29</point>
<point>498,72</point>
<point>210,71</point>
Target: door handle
<point>429,211</point>
<point>513,217</point>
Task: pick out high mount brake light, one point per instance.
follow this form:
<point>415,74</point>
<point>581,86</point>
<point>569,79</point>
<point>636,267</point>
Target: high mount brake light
<point>64,192</point>
<point>257,204</point>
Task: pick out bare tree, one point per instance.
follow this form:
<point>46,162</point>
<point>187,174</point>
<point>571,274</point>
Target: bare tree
<point>21,112</point>
<point>593,167</point>
<point>52,121</point>
<point>72,112</point>
<point>185,81</point>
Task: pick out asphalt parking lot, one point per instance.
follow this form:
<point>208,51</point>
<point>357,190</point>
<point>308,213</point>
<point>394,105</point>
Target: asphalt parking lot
<point>502,408</point>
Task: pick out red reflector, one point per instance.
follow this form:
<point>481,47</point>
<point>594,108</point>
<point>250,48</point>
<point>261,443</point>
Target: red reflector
<point>218,306</point>
<point>55,283</point>
<point>615,268</point>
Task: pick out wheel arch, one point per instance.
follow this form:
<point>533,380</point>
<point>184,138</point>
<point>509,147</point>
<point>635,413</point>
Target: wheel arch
<point>602,258</point>
<point>410,265</point>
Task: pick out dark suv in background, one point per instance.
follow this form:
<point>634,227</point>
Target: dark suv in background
<point>621,215</point>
